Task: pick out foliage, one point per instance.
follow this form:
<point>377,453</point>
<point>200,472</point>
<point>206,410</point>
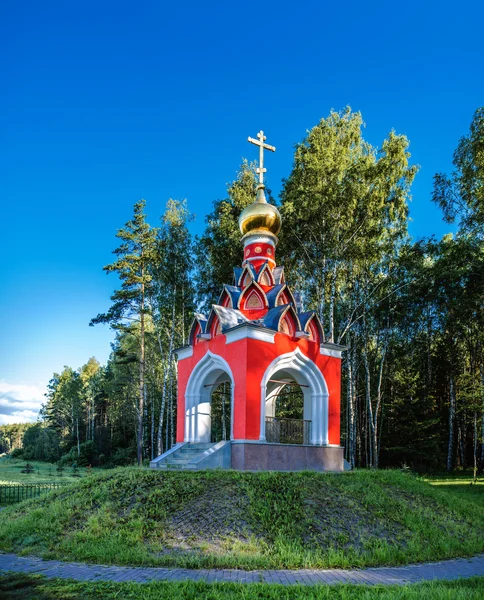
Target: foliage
<point>461,195</point>
<point>11,436</point>
<point>41,443</point>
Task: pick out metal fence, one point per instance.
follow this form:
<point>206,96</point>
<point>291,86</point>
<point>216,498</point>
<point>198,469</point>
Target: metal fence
<point>287,431</point>
<point>16,492</point>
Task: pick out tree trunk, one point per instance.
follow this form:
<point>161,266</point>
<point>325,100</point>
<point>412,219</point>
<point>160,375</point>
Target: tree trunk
<point>369,409</point>
<point>172,411</point>
<point>351,408</point>
<point>332,303</point>
<point>141,375</point>
<point>78,440</point>
<point>322,300</point>
<point>377,412</point>
<point>166,377</point>
<point>475,446</point>
<point>152,432</point>
<point>450,445</point>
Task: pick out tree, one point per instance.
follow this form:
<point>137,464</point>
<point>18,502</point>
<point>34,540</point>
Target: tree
<point>345,209</point>
<point>172,304</point>
<point>461,198</point>
<point>461,195</point>
<point>128,311</point>
<point>62,410</point>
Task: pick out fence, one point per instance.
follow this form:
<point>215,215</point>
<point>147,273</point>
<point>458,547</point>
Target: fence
<point>287,431</point>
<point>16,492</point>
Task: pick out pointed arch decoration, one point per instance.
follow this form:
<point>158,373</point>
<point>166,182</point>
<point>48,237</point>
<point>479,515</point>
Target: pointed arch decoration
<point>247,275</point>
<point>216,328</point>
<point>289,322</point>
<point>198,328</point>
<point>225,299</point>
<point>265,276</point>
<point>316,395</point>
<point>249,291</point>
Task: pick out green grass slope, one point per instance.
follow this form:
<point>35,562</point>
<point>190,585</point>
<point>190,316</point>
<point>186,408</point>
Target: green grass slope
<point>248,520</point>
<point>35,587</point>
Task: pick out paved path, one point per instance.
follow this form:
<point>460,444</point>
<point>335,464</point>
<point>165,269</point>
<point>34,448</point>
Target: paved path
<point>449,569</point>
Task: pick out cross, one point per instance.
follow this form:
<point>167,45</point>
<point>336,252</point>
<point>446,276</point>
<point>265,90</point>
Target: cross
<point>260,169</point>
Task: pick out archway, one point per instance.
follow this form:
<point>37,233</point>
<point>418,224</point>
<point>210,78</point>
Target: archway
<point>285,420</point>
<point>221,412</point>
<point>297,370</point>
<point>207,376</point>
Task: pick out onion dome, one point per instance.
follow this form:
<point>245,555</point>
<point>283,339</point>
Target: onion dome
<point>260,217</point>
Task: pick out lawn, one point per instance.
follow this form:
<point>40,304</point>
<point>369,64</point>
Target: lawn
<point>11,472</point>
<point>228,519</point>
<point>35,587</point>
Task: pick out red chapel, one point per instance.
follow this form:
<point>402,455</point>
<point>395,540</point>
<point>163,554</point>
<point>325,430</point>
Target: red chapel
<point>256,341</point>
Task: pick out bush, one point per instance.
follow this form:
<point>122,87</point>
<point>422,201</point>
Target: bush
<point>17,453</point>
<point>123,457</point>
<point>87,455</point>
<point>40,443</point>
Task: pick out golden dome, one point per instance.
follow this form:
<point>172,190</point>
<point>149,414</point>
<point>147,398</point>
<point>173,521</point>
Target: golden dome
<point>260,216</point>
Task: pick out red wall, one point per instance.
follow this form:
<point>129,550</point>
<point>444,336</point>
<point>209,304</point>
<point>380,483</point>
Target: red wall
<point>249,360</point>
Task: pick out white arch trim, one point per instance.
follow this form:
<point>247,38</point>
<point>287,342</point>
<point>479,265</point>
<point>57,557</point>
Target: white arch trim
<point>305,372</point>
<point>197,397</point>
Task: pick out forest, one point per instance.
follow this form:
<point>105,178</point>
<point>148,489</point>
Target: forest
<point>410,312</point>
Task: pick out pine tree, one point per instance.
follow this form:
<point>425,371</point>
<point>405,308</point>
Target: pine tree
<point>129,309</point>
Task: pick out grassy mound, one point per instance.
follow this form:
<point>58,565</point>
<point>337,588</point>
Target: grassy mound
<point>248,520</point>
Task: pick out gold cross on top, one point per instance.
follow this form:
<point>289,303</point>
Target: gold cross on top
<point>260,142</point>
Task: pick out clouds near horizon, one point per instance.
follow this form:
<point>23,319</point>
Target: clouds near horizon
<point>20,403</point>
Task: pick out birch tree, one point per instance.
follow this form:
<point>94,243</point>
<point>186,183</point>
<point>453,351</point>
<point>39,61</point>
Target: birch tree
<point>173,304</point>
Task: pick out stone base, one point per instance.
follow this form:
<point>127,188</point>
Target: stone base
<point>261,456</point>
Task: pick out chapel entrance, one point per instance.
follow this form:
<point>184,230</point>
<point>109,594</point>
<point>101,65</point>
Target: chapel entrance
<point>288,410</point>
<point>221,412</point>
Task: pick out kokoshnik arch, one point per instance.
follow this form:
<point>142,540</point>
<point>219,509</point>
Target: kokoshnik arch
<point>257,341</point>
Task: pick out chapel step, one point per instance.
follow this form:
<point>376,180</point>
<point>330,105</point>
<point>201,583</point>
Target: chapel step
<point>185,458</point>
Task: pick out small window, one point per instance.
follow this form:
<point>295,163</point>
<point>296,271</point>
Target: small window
<point>216,327</point>
<point>282,300</point>
<point>254,301</point>
<point>286,326</point>
<point>246,280</point>
<point>313,331</point>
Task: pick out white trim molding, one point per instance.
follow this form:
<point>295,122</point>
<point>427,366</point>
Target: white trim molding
<point>185,352</point>
<point>330,352</point>
<point>271,260</point>
<point>249,332</point>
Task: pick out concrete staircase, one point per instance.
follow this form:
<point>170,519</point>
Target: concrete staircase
<point>185,457</point>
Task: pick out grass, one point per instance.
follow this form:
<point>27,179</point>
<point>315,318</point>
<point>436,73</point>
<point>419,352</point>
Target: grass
<point>11,472</point>
<point>35,587</point>
<point>261,520</point>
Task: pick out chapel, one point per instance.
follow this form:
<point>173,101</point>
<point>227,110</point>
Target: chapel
<point>258,389</point>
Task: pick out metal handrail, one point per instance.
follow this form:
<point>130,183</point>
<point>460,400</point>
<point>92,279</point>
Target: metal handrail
<point>281,430</point>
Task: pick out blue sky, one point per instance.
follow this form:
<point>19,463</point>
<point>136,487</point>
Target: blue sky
<point>104,103</point>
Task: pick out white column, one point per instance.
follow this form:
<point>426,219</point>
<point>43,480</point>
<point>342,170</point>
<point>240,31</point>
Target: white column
<point>203,421</point>
<point>324,420</point>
